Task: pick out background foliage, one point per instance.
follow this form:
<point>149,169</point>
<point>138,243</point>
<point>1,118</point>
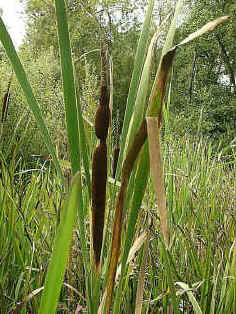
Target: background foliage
<point>205,74</point>
<point>204,88</point>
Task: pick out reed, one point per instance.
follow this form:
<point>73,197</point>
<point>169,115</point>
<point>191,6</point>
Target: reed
<point>138,145</point>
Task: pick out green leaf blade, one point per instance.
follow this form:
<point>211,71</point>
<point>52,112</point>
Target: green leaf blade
<point>139,62</point>
<point>57,266</point>
<point>68,85</point>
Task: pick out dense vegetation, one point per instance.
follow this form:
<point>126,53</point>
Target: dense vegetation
<point>205,74</point>
<point>49,220</point>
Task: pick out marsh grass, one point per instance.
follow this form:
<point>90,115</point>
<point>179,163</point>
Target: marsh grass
<point>45,223</point>
<point>201,202</point>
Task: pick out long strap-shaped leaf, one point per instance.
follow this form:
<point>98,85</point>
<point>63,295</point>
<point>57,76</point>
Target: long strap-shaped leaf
<point>73,119</point>
<point>57,266</point>
<point>134,84</point>
<point>68,86</point>
<point>84,147</point>
<point>156,173</point>
<point>141,178</point>
<point>155,107</point>
<point>25,85</point>
<point>128,164</point>
<point>140,102</point>
<point>159,85</point>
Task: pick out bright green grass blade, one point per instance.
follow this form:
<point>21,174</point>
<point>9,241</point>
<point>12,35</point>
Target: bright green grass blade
<point>84,146</point>
<point>25,85</point>
<point>83,241</point>
<point>57,266</point>
<point>230,302</point>
<point>205,289</point>
<point>169,276</point>
<point>138,67</point>
<point>224,287</point>
<point>214,290</point>
<point>172,29</point>
<point>140,103</point>
<point>68,86</point>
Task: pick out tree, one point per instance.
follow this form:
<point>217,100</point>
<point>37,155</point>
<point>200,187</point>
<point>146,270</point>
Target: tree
<point>204,74</point>
<point>119,22</point>
<point>89,21</point>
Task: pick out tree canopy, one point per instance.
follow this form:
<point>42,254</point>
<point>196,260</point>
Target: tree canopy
<point>203,87</point>
<point>204,74</point>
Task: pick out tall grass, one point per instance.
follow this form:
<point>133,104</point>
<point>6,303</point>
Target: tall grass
<point>202,227</point>
<point>46,238</point>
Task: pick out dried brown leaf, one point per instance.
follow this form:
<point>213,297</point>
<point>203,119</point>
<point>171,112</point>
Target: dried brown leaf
<point>156,173</point>
<point>135,248</point>
<point>206,28</point>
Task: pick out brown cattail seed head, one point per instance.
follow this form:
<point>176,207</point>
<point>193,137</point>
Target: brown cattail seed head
<point>102,119</point>
<point>115,160</point>
<point>5,105</point>
<point>99,177</point>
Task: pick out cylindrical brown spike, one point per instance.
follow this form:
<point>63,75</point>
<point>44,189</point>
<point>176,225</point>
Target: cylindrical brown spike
<point>5,101</point>
<point>99,167</point>
<point>5,106</point>
<point>99,178</point>
<point>102,119</point>
<point>115,160</point>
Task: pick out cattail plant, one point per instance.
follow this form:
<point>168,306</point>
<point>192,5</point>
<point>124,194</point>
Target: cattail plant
<point>99,166</point>
<point>154,110</point>
<point>139,107</point>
